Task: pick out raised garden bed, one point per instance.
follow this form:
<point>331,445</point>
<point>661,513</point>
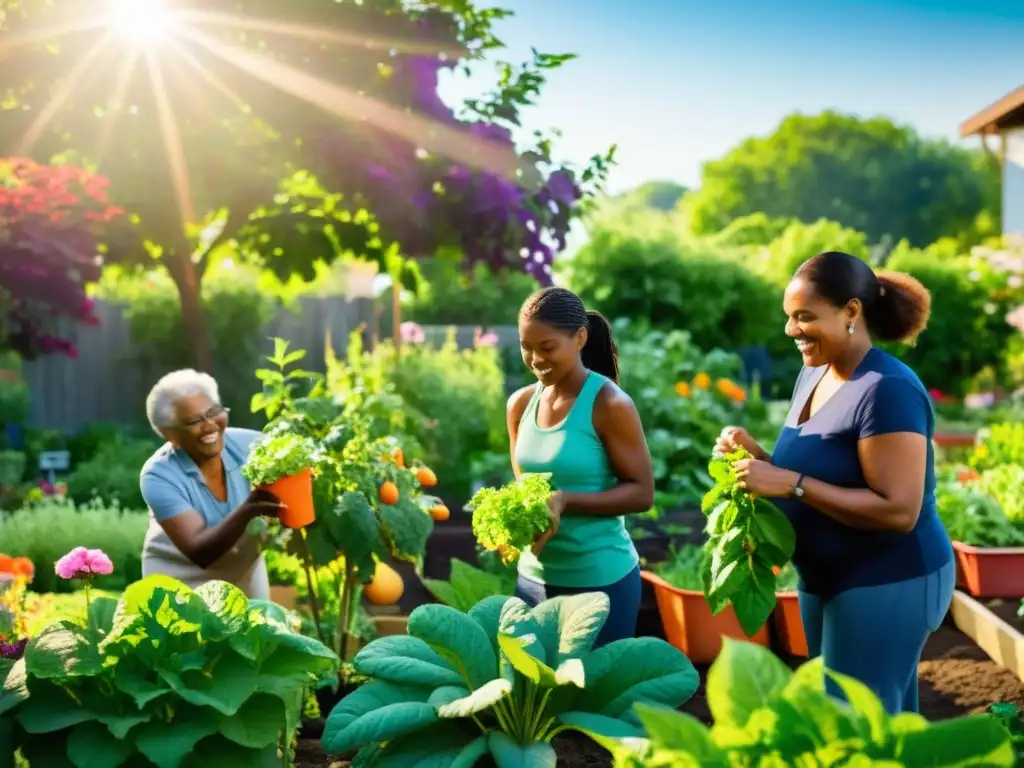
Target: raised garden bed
<point>957,678</point>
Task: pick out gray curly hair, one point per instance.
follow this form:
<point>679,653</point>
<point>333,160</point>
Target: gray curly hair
<point>171,388</point>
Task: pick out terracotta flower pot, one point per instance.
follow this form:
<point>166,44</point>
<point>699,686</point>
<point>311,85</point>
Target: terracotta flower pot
<point>990,571</point>
<point>690,626</point>
<point>295,493</point>
<point>789,626</point>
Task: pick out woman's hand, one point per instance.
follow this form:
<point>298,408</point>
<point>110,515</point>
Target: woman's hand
<point>761,478</point>
<point>732,439</point>
<point>262,502</point>
<point>556,505</point>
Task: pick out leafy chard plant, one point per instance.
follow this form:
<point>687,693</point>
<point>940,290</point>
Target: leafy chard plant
<point>749,541</point>
<point>501,679</point>
<point>766,716</point>
<point>508,519</point>
<point>165,676</point>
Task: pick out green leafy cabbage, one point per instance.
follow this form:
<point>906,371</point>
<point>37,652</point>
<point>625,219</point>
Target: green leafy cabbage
<point>165,676</point>
<point>748,539</point>
<point>766,716</point>
<point>508,519</point>
<point>502,679</point>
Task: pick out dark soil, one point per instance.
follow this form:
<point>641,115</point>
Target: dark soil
<point>957,678</point>
<point>1007,611</point>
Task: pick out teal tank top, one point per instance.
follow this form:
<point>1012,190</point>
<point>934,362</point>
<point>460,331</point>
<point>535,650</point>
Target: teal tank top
<point>586,551</point>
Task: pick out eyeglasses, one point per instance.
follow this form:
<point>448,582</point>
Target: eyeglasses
<point>212,414</point>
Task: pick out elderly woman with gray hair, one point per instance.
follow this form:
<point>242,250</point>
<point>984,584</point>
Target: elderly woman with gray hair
<point>200,503</point>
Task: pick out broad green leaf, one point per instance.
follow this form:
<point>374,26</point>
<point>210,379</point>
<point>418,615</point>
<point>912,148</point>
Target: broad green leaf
<point>384,724</point>
<point>569,625</point>
<point>257,723</point>
<point>509,754</point>
<point>721,472</point>
<point>714,499</point>
<point>62,650</point>
<point>603,725</point>
<point>269,611</point>
<point>754,600</point>
<point>137,680</point>
<point>467,704</point>
<point>487,613</point>
<point>771,525</point>
<point>866,705</point>
<point>965,741</point>
<point>444,745</point>
<point>224,688</point>
<point>373,698</point>
<point>354,528</point>
<point>91,745</point>
<point>721,518</point>
<point>534,670</point>
<point>15,687</point>
<point>517,620</point>
<point>102,609</point>
<point>814,712</point>
<point>458,639</point>
<point>295,656</point>
<point>744,677</point>
<point>120,723</point>
<point>228,609</point>
<point>406,659</point>
<point>632,670</point>
<point>52,710</point>
<point>670,729</point>
<point>166,744</point>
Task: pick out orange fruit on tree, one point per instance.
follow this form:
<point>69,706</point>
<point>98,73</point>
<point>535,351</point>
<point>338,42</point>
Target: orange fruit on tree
<point>426,477</point>
<point>389,493</point>
<point>386,587</point>
<point>398,457</point>
<point>439,512</point>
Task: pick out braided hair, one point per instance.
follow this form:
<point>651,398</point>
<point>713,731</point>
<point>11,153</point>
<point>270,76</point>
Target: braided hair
<point>563,309</point>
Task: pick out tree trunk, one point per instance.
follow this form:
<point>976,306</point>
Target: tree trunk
<point>187,279</point>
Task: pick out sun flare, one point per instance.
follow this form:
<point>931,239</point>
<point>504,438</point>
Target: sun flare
<point>140,21</point>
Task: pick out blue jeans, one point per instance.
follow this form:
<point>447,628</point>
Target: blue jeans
<point>623,595</point>
<point>876,634</point>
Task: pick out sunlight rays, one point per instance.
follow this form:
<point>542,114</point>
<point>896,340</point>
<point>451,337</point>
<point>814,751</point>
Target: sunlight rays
<point>146,29</point>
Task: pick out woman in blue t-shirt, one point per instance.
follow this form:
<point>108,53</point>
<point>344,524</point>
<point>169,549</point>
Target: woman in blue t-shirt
<point>854,472</point>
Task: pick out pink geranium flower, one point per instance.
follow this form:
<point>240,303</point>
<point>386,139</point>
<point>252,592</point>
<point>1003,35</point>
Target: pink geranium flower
<point>81,562</point>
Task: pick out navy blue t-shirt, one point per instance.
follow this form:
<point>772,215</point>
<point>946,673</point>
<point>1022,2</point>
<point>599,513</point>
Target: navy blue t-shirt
<point>883,396</point>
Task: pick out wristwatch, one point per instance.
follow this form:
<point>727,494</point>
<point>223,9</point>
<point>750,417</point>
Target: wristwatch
<point>798,488</point>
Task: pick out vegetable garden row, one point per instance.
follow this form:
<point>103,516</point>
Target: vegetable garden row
<point>397,643</point>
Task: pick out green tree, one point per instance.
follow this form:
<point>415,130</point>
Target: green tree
<point>872,175</point>
<point>300,130</point>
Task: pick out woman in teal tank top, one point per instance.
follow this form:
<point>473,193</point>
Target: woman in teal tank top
<point>577,425</point>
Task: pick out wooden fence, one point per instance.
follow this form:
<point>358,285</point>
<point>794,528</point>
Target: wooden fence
<point>107,383</point>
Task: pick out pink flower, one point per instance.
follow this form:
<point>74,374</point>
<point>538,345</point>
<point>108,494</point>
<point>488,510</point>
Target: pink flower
<point>481,339</point>
<point>411,333</point>
<point>81,562</point>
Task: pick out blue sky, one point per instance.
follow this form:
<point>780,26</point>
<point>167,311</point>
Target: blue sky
<point>678,82</point>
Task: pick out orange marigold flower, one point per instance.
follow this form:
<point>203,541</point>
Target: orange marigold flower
<point>683,389</point>
<point>6,563</point>
<point>702,381</point>
<point>22,566</point>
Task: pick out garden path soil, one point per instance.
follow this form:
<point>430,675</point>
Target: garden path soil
<point>957,677</point>
<point>1007,611</point>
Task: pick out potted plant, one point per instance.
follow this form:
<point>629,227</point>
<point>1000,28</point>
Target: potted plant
<point>789,625</point>
<point>283,465</point>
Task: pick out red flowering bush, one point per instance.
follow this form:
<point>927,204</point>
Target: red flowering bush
<point>51,219</point>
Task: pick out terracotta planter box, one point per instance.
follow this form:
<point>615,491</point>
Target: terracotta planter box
<point>391,625</point>
<point>689,625</point>
<point>990,571</point>
<point>286,597</point>
<point>953,440</point>
<point>789,626</point>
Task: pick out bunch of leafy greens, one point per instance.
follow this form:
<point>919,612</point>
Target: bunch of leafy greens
<point>166,675</point>
<point>1004,484</point>
<point>766,716</point>
<point>508,519</point>
<point>502,679</point>
<point>748,538</point>
<point>277,456</point>
<point>467,585</point>
<point>972,516</point>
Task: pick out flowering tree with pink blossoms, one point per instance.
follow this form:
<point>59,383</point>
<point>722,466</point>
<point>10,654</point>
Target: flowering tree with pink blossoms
<point>51,220</point>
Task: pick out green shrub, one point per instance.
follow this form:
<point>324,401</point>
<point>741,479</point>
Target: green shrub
<point>676,283</point>
<point>800,241</point>
<point>47,531</point>
<point>967,332</point>
<point>111,475</point>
